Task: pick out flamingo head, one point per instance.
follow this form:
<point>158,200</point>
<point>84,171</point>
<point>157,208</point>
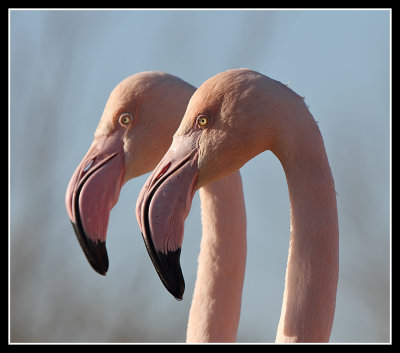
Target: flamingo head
<point>223,128</point>
<point>134,132</point>
<point>208,145</point>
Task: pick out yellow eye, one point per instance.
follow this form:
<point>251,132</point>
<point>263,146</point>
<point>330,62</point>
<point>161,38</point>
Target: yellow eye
<point>202,121</point>
<point>125,119</point>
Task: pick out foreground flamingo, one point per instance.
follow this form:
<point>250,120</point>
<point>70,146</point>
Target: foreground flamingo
<point>136,129</point>
<point>231,118</point>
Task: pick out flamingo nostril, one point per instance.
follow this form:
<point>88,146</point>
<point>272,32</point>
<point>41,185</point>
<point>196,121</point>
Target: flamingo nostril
<point>159,175</point>
<point>88,166</point>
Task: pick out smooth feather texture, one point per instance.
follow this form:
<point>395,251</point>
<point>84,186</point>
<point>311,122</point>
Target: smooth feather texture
<point>250,113</point>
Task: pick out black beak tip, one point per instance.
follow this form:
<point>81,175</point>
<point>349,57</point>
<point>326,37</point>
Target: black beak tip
<point>169,269</point>
<point>95,252</point>
<point>178,287</point>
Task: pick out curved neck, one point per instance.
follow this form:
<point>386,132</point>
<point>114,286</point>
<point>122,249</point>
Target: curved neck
<point>312,269</point>
<point>215,311</point>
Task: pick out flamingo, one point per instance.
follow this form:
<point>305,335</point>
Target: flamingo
<point>231,118</point>
<point>136,128</point>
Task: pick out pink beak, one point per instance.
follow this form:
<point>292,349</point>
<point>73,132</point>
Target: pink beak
<point>162,207</point>
<point>91,194</point>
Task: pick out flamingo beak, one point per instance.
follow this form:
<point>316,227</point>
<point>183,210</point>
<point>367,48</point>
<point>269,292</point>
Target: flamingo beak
<point>91,194</point>
<point>162,207</point>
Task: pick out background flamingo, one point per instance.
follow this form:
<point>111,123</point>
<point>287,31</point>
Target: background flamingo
<point>136,127</point>
<point>138,121</point>
<point>231,118</point>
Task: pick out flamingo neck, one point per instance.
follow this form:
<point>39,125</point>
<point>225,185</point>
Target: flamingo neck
<point>312,268</point>
<point>215,311</point>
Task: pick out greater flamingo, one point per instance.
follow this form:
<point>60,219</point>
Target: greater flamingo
<point>231,118</point>
<point>135,130</point>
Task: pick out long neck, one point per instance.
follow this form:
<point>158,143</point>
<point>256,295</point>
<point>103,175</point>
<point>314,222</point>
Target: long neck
<point>312,269</point>
<point>215,311</point>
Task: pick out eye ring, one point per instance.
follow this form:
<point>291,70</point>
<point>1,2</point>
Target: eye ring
<point>125,119</point>
<point>202,121</point>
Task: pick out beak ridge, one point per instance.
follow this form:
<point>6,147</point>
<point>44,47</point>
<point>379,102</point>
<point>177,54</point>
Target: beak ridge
<point>162,207</point>
<point>91,194</point>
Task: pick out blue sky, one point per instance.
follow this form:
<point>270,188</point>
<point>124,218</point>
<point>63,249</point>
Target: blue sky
<point>63,66</point>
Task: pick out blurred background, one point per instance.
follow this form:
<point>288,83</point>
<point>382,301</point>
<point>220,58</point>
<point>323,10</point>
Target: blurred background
<point>63,66</point>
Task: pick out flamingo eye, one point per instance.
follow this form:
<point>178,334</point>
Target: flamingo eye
<point>125,119</point>
<point>202,121</point>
